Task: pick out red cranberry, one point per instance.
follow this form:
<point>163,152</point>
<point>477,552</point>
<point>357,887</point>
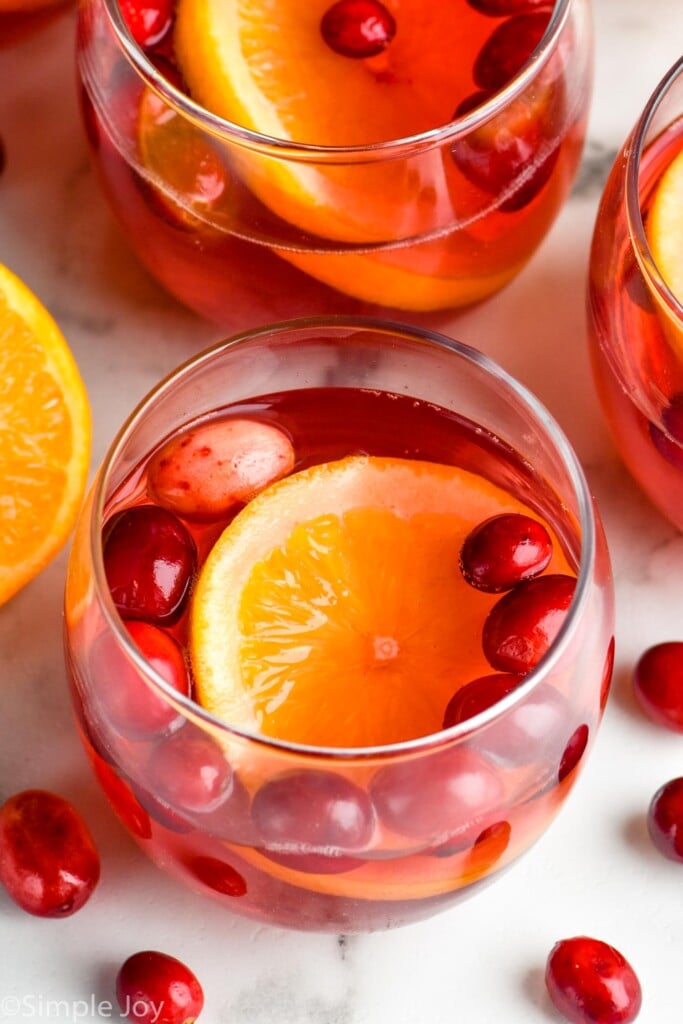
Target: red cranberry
<point>669,442</point>
<point>590,982</point>
<point>231,819</point>
<point>488,847</point>
<point>48,861</point>
<point>358,28</point>
<point>673,417</point>
<point>523,624</point>
<point>168,69</point>
<point>312,812</point>
<point>210,470</point>
<point>504,550</point>
<point>532,729</point>
<point>501,8</point>
<point>155,988</point>
<point>188,771</point>
<point>508,48</point>
<point>514,153</point>
<point>573,752</point>
<point>148,21</point>
<point>217,875</point>
<point>526,731</point>
<point>449,792</point>
<point>607,672</point>
<point>477,696</point>
<point>160,812</point>
<point>658,684</point>
<point>149,560</point>
<point>123,800</point>
<point>133,708</point>
<point>187,176</point>
<point>665,819</point>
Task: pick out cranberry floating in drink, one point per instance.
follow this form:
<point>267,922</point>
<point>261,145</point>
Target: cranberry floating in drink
<point>149,559</point>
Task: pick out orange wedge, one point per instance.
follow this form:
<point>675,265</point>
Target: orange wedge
<point>44,436</point>
<point>332,610</point>
<point>266,67</point>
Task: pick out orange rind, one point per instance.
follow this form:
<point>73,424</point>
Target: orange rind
<point>44,436</point>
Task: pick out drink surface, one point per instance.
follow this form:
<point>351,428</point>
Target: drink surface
<point>379,629</point>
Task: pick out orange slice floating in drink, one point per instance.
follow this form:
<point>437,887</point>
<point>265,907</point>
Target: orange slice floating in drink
<point>664,229</point>
<point>665,226</point>
<point>267,68</point>
<point>332,611</point>
<point>387,229</point>
<point>44,436</point>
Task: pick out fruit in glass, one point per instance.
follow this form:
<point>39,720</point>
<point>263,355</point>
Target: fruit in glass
<point>635,299</point>
<point>272,160</point>
<point>308,768</point>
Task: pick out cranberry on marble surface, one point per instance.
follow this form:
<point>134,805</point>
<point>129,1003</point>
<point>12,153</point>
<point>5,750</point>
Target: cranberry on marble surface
<point>155,988</point>
<point>665,819</point>
<point>49,864</point>
<point>590,982</point>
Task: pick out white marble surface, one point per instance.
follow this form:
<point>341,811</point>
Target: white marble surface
<point>594,872</point>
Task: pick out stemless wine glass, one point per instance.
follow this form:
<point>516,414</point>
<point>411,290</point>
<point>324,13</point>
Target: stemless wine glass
<point>245,228</point>
<point>328,837</point>
<point>636,322</point>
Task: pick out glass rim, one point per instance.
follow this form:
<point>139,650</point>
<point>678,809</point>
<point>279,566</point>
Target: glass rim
<point>190,708</point>
<point>310,152</point>
<point>634,215</point>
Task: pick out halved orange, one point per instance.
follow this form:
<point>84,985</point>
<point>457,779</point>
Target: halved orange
<point>44,436</point>
<point>266,67</point>
<point>332,610</point>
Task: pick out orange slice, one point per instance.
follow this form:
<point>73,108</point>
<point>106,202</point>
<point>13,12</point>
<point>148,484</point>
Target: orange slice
<point>664,229</point>
<point>332,610</point>
<point>423,278</point>
<point>266,67</point>
<point>44,436</point>
<point>665,226</point>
